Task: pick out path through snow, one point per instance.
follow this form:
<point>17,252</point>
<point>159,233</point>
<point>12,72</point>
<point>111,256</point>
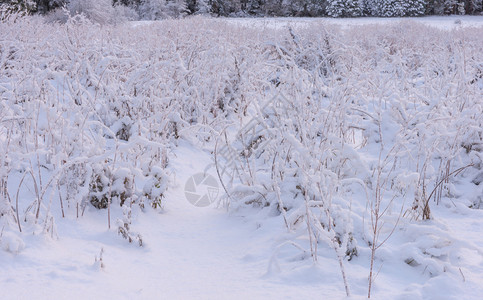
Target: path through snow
<point>190,253</point>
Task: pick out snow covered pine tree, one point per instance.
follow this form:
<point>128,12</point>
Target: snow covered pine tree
<point>344,8</point>
<point>416,8</point>
<point>399,8</point>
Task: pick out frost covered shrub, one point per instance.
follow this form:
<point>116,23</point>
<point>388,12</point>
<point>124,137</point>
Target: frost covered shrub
<point>123,13</point>
<point>153,9</point>
<point>292,159</point>
<point>124,227</point>
<point>98,11</point>
<point>110,186</point>
<point>155,187</point>
<point>101,12</point>
<point>162,9</point>
<point>333,99</point>
<point>63,120</point>
<point>99,194</point>
<point>92,124</point>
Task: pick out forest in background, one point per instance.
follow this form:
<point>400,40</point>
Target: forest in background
<point>162,9</point>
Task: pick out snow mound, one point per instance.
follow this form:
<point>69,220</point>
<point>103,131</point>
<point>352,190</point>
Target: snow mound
<point>11,242</point>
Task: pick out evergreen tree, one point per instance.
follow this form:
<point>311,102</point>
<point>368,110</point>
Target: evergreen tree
<point>253,7</point>
<point>296,8</point>
<point>368,8</point>
<point>274,8</point>
<point>316,7</point>
<point>220,7</point>
<point>449,6</point>
<point>203,7</point>
<point>461,8</point>
<point>344,8</point>
<point>176,8</point>
<point>24,6</point>
<point>476,6</point>
<point>44,6</point>
<point>392,8</point>
<point>416,8</point>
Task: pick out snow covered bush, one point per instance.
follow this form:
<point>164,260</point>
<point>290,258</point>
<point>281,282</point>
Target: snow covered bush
<point>124,227</point>
<point>155,187</point>
<point>162,9</point>
<point>10,242</point>
<point>299,154</point>
<point>68,129</point>
<point>98,11</point>
<point>101,12</point>
<point>153,9</point>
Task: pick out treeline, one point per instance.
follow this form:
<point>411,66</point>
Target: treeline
<point>159,9</point>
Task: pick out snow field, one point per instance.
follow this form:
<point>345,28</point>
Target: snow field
<point>351,146</point>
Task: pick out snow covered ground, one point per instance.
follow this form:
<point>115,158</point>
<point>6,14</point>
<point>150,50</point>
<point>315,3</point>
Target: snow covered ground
<point>206,253</point>
<point>190,253</point>
<point>118,104</point>
<point>441,22</point>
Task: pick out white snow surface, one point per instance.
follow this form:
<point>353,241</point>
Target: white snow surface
<point>189,253</point>
<point>440,22</point>
<point>206,253</point>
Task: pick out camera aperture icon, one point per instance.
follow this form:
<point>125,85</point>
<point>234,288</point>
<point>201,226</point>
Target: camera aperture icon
<point>201,189</point>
